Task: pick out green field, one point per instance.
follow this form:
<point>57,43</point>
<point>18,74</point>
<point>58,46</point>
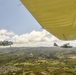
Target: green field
<point>37,61</point>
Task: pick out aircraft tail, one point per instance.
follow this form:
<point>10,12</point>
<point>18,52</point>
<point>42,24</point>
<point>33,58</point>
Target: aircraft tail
<point>55,44</point>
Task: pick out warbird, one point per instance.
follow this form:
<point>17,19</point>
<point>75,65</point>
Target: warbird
<point>6,43</point>
<point>56,16</point>
<point>63,46</point>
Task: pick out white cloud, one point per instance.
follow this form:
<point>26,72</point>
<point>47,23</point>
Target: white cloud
<point>6,32</point>
<point>35,38</point>
<point>3,37</point>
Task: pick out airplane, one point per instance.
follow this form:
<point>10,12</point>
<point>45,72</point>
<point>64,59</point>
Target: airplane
<point>6,43</point>
<point>63,46</point>
<point>55,16</point>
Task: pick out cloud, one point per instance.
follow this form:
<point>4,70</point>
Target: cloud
<point>6,32</point>
<point>35,38</point>
<point>3,37</point>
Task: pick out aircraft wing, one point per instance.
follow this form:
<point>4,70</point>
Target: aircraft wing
<point>56,16</point>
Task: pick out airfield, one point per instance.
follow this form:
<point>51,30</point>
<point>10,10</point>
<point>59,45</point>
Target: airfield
<point>37,61</point>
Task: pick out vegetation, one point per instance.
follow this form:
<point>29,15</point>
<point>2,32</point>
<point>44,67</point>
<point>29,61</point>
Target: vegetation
<point>37,61</point>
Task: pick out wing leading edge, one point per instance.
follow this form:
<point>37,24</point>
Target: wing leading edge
<point>56,16</point>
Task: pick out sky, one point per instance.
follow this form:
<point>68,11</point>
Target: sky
<point>15,17</point>
<point>19,26</point>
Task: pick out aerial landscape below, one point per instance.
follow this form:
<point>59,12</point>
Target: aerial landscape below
<point>37,61</point>
<point>37,37</point>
